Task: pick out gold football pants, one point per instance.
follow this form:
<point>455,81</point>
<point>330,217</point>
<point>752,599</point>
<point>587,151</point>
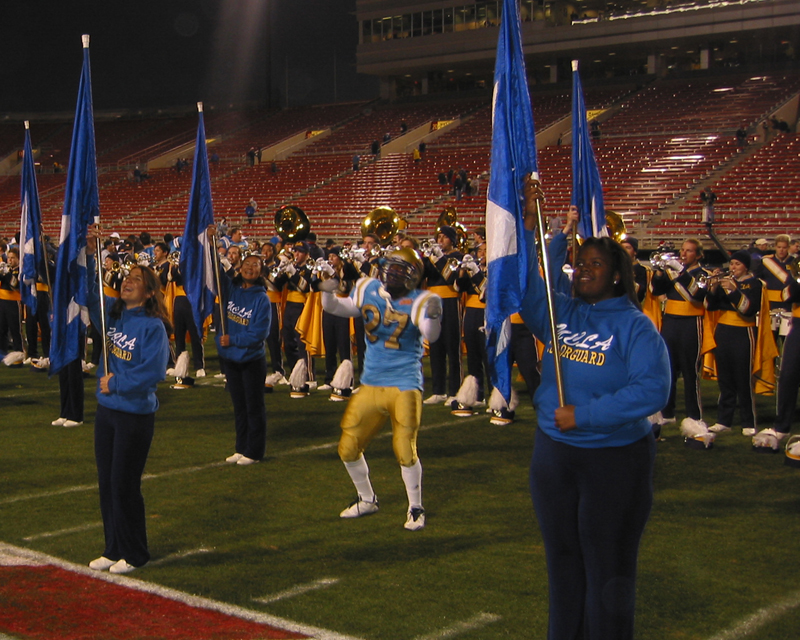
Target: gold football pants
<point>367,412</point>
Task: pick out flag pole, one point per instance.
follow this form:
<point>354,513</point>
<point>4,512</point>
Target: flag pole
<point>549,290</point>
<point>215,260</point>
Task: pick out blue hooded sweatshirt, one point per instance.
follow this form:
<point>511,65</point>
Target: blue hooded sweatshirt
<point>247,320</point>
<point>614,363</point>
<point>138,352</point>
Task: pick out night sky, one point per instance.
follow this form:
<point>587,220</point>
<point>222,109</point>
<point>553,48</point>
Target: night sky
<point>160,53</point>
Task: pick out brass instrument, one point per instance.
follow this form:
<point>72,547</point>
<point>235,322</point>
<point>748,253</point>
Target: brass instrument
<point>615,226</point>
<point>454,264</point>
<point>124,267</point>
<point>291,224</point>
<point>427,247</point>
<point>384,223</point>
<point>704,281</point>
<point>174,258</point>
<point>319,269</point>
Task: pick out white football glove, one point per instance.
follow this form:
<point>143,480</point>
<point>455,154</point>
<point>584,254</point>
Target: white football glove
<point>436,251</point>
<point>469,265</point>
<point>326,268</point>
<point>675,265</point>
<point>433,309</point>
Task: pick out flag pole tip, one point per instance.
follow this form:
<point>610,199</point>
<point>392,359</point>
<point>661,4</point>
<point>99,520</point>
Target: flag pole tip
<point>200,107</point>
<point>27,124</point>
<point>85,40</point>
<point>574,65</point>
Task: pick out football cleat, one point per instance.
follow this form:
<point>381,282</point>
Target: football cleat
<point>416,519</point>
<point>360,508</point>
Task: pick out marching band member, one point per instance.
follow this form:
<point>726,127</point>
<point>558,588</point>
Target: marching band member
<point>397,317</point>
<point>774,271</point>
<point>682,328</point>
<point>472,282</point>
<point>592,468</point>
<point>296,277</point>
<point>38,324</point>
<point>335,329</point>
<point>138,349</point>
<point>9,305</point>
<point>184,322</point>
<point>247,316</point>
<point>738,298</point>
<point>274,295</point>
<point>441,281</point>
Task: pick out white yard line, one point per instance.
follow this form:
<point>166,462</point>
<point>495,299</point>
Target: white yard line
<point>475,622</point>
<point>178,556</point>
<point>299,590</point>
<point>748,627</point>
<point>62,532</point>
<point>38,558</point>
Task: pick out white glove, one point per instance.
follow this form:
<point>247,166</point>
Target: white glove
<point>327,269</point>
<point>436,251</point>
<point>226,264</point>
<point>284,258</point>
<point>675,265</point>
<point>289,269</point>
<point>472,267</point>
<point>433,309</point>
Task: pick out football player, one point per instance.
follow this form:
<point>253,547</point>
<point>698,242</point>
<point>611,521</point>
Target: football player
<point>397,317</point>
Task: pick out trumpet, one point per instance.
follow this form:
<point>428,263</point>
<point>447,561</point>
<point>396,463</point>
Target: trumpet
<point>357,254</point>
<point>660,259</point>
<point>704,281</point>
<point>322,269</point>
<point>123,267</point>
<point>427,247</point>
<point>174,258</point>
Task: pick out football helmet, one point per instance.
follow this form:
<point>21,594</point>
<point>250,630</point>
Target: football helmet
<point>401,270</point>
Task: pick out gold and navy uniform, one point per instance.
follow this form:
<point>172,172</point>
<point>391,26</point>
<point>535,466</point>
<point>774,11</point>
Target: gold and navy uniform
<point>736,335</point>
<point>775,274</point>
<point>9,310</point>
<point>474,338</point>
<point>447,349</point>
<point>298,286</point>
<point>682,330</point>
<point>789,378</point>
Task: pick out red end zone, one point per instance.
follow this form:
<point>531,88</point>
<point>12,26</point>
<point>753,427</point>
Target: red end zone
<point>48,599</point>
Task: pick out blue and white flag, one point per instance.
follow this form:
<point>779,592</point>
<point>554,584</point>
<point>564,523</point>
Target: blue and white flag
<point>32,258</point>
<point>196,263</point>
<point>513,159</point>
<point>587,190</point>
<point>81,208</point>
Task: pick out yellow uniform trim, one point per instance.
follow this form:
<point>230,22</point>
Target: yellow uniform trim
<point>774,295</point>
<point>474,302</point>
<point>733,319</point>
<point>444,291</point>
<point>274,296</point>
<point>110,292</point>
<point>5,294</point>
<point>296,296</point>
<point>41,286</point>
<point>683,308</point>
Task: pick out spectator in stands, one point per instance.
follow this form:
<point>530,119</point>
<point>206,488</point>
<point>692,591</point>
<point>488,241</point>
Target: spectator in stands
<point>741,136</point>
<point>258,155</point>
<point>422,147</point>
<point>443,179</point>
<point>595,127</point>
<point>215,158</point>
<point>235,238</point>
<point>458,186</point>
<point>403,128</point>
<point>415,155</point>
<point>375,147</point>
<point>250,212</point>
<point>386,137</point>
<point>274,167</point>
<point>356,161</point>
<point>251,157</point>
<point>708,198</point>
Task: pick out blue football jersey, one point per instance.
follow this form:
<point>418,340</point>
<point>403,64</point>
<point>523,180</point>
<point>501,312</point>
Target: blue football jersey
<point>394,342</point>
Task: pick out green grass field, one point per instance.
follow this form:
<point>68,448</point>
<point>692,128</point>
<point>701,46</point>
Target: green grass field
<point>717,551</point>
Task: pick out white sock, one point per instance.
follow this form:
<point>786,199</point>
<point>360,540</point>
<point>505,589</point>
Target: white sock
<point>359,474</point>
<point>412,478</point>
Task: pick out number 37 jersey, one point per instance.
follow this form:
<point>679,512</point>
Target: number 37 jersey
<point>393,338</point>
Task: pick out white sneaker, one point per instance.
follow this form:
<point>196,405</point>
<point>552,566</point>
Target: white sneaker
<point>360,508</point>
<point>72,423</point>
<point>234,458</point>
<point>436,398</point>
<point>201,373</point>
<point>749,432</point>
<point>170,372</point>
<point>244,461</point>
<point>59,422</point>
<point>219,375</point>
<point>325,387</point>
<point>416,519</point>
<point>102,564</point>
<point>718,428</point>
<point>121,567</point>
<point>667,420</point>
<point>312,384</point>
<point>283,380</point>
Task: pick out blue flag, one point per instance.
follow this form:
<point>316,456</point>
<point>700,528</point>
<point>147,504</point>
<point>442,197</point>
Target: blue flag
<point>513,159</point>
<point>196,263</point>
<point>32,259</point>
<point>587,190</point>
<point>81,208</point>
